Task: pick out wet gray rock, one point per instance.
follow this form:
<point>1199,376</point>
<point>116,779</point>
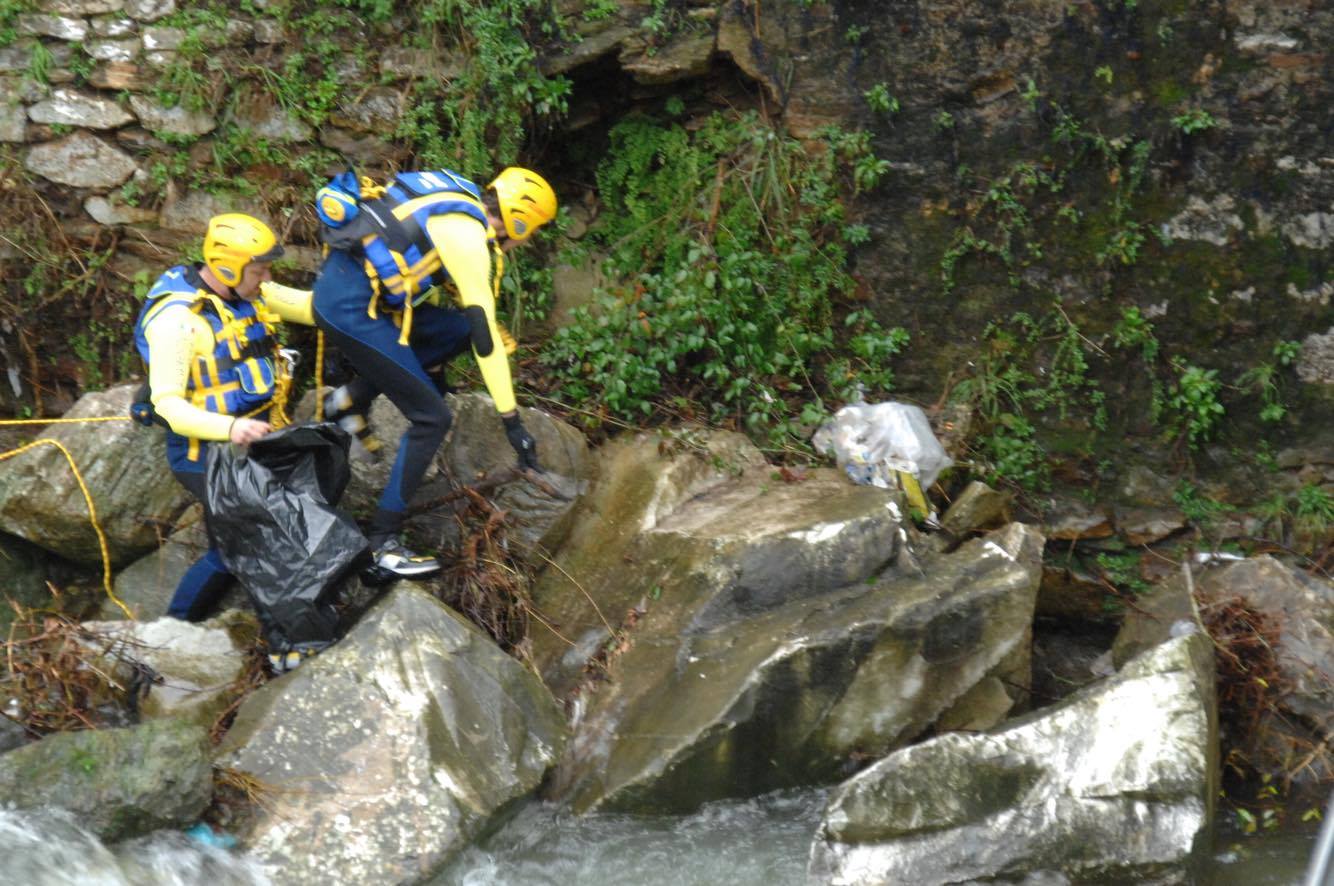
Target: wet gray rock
<point>375,110</point>
<point>1071,520</point>
<point>1141,486</point>
<point>1164,611</point>
<point>269,31</point>
<point>163,39</point>
<point>1211,221</point>
<point>111,211</point>
<point>114,50</point>
<point>1116,784</point>
<point>1315,364</point>
<point>147,585</point>
<point>82,161</point>
<point>1303,609</point>
<point>83,7</point>
<point>176,120</point>
<point>273,123</point>
<point>70,107</point>
<point>977,507</point>
<point>797,694</point>
<point>17,57</point>
<point>149,10</point>
<point>1145,526</point>
<point>361,149</point>
<point>199,665</point>
<point>477,448</point>
<point>751,651</point>
<point>113,26</point>
<point>392,749</point>
<point>1071,591</point>
<point>119,782</point>
<point>124,466</point>
<point>60,27</point>
<point>13,123</point>
<point>190,211</point>
<point>684,58</point>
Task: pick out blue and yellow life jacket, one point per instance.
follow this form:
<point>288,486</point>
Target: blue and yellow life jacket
<point>386,226</point>
<point>243,373</point>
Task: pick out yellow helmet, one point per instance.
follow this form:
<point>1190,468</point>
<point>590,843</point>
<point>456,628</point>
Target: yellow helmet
<point>526,201</point>
<point>233,240</point>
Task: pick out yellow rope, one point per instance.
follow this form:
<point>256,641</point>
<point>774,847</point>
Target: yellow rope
<point>59,421</point>
<point>92,511</point>
<point>319,375</point>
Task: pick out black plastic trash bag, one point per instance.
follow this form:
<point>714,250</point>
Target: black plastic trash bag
<point>272,518</point>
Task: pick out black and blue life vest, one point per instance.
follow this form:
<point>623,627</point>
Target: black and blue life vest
<point>387,227</point>
<point>241,374</point>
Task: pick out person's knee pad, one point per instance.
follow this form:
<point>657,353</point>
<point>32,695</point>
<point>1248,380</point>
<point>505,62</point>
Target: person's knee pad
<point>480,331</point>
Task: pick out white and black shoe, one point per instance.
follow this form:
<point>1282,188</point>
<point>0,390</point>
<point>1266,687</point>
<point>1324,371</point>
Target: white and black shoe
<point>391,561</point>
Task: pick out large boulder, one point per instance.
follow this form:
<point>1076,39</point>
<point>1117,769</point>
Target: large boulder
<point>392,749</point>
<point>801,693</point>
<point>477,448</point>
<point>119,782</point>
<point>124,467</point>
<point>1115,785</point>
<point>639,481</point>
<point>749,651</point>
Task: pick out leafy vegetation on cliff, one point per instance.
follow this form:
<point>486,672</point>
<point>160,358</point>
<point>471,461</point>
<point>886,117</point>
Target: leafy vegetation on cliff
<point>731,300</point>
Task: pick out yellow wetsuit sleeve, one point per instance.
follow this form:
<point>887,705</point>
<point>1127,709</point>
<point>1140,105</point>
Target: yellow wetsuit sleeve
<point>292,305</point>
<point>174,337</point>
<point>462,244</point>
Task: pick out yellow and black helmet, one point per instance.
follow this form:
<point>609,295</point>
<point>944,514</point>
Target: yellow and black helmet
<point>233,240</point>
<point>526,201</point>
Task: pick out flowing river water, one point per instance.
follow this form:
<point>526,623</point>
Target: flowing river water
<point>758,842</point>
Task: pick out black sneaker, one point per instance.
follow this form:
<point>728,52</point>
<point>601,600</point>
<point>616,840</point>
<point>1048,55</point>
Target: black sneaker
<point>391,561</point>
<point>338,407</point>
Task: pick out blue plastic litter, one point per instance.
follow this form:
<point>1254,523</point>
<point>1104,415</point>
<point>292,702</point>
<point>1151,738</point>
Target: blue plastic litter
<point>203,834</point>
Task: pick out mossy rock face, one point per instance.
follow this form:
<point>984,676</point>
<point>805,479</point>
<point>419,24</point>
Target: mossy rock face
<point>119,782</point>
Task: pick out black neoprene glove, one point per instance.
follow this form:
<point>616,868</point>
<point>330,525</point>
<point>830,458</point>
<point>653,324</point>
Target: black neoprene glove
<point>524,445</point>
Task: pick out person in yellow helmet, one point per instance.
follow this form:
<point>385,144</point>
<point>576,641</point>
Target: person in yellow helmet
<point>207,334</point>
<point>391,250</point>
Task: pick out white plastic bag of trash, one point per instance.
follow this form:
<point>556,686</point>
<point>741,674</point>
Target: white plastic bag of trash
<point>873,442</point>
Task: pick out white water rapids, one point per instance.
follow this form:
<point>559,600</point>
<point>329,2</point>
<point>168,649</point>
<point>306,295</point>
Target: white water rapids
<point>758,842</point>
